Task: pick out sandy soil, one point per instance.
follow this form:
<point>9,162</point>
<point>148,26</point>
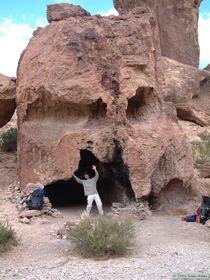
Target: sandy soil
<point>164,246</point>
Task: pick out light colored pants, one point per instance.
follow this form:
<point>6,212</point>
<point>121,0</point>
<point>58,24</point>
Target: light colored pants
<point>90,200</point>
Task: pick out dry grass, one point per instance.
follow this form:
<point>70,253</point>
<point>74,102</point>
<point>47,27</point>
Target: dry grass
<point>102,237</point>
<point>7,236</point>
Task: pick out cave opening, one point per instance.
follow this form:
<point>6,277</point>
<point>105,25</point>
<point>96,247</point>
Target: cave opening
<point>141,104</point>
<point>185,115</point>
<point>113,184</point>
<point>173,196</point>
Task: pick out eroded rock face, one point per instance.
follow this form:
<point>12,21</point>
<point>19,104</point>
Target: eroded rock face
<point>178,26</point>
<point>207,68</point>
<point>188,88</point>
<point>91,84</point>
<point>205,170</point>
<point>7,98</point>
<point>63,11</point>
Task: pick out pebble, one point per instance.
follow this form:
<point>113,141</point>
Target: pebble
<point>24,220</point>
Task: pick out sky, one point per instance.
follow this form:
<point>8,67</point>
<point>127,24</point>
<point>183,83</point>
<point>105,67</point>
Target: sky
<point>18,19</point>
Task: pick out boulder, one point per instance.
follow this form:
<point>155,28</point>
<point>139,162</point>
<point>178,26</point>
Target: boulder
<point>30,213</point>
<point>63,11</point>
<point>178,43</point>
<point>91,89</point>
<point>7,99</point>
<point>188,88</point>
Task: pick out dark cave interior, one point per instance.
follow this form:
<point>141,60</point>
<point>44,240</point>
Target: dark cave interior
<point>113,184</point>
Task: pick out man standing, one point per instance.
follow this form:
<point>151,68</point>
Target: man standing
<point>90,190</point>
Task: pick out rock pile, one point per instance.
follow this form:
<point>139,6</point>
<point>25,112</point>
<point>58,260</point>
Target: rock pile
<point>139,209</point>
<point>26,215</point>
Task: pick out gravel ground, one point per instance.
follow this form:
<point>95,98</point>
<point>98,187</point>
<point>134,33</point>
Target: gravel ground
<point>164,246</point>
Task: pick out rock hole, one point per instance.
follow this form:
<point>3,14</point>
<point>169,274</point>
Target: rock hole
<point>98,109</point>
<point>172,196</point>
<point>47,108</point>
<point>110,81</point>
<point>140,106</point>
<point>113,184</point>
<point>189,115</point>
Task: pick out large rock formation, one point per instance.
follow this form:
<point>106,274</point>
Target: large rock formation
<point>91,86</point>
<point>188,88</point>
<point>173,16</point>
<point>62,11</point>
<point>7,98</point>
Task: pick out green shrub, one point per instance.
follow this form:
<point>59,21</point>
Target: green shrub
<point>101,237</point>
<point>8,140</point>
<point>7,236</point>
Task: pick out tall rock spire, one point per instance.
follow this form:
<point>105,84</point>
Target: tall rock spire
<point>178,26</point>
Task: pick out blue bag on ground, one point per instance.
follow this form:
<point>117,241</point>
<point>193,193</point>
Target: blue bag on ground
<point>37,200</point>
<point>191,218</point>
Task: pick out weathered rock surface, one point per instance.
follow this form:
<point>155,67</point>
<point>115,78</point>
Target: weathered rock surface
<point>202,186</point>
<point>188,88</point>
<point>92,84</point>
<point>7,98</point>
<point>178,43</point>
<point>63,11</point>
<point>204,170</point>
<point>207,68</point>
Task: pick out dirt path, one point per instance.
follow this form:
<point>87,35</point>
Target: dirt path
<point>164,246</point>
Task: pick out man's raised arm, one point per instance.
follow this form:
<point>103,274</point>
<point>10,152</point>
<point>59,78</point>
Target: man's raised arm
<point>96,173</point>
<point>78,179</point>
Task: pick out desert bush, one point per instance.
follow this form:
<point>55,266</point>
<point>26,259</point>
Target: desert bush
<point>102,237</point>
<point>7,236</point>
<point>8,140</point>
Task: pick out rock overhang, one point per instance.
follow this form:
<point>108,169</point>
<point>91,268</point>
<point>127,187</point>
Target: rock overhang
<point>91,81</point>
